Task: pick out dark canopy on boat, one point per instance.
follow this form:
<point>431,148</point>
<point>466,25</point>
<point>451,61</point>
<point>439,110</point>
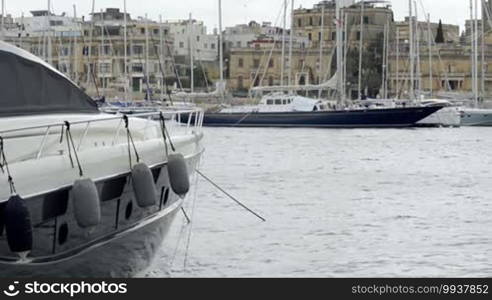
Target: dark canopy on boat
<point>30,86</point>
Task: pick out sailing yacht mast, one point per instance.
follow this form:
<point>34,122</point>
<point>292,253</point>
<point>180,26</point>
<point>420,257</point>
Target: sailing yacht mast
<point>397,63</point>
<point>412,57</point>
<point>147,80</point>
<point>321,46</point>
<point>483,63</point>
<point>341,89</point>
<point>361,45</point>
<point>291,42</point>
<point>125,46</point>
<point>417,51</point>
<point>221,54</point>
<point>429,41</point>
<point>102,47</point>
<point>49,51</point>
<point>161,55</point>
<point>284,28</point>
<point>89,56</point>
<point>475,55</point>
<point>74,49</point>
<point>3,19</point>
<point>192,59</point>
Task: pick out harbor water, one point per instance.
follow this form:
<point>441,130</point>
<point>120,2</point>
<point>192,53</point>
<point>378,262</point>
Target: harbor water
<point>338,203</point>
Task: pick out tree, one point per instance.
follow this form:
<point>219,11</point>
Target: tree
<point>440,34</point>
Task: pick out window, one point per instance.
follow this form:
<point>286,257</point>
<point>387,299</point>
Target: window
<point>310,21</point>
<point>310,36</point>
<point>366,20</point>
<point>240,63</point>
<point>105,68</point>
<point>333,36</point>
<point>142,30</point>
<point>138,49</point>
<point>137,68</point>
<point>156,31</point>
<point>181,44</point>
<point>299,22</point>
<point>238,44</point>
<point>212,46</point>
<point>358,35</point>
<point>319,36</point>
<point>270,81</point>
<point>278,102</point>
<point>271,63</point>
<point>256,63</point>
<point>197,38</point>
<point>269,102</point>
<point>240,82</point>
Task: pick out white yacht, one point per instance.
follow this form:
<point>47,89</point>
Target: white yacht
<point>82,193</point>
<point>476,117</point>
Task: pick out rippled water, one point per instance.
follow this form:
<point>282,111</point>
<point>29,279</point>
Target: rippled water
<point>339,203</point>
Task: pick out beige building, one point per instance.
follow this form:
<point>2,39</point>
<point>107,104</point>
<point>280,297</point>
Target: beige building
<point>450,70</point>
<point>308,21</point>
<point>451,32</point>
<point>250,67</point>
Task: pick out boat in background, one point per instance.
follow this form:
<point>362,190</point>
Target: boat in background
<point>279,110</point>
<point>83,193</point>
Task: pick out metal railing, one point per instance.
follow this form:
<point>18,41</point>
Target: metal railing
<point>173,119</point>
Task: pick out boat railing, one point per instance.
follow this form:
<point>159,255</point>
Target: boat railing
<point>172,120</point>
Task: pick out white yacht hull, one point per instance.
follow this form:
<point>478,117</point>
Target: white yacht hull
<point>476,117</point>
<point>446,117</point>
<point>128,235</point>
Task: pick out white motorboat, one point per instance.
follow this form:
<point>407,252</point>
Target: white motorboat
<point>476,117</point>
<point>82,193</point>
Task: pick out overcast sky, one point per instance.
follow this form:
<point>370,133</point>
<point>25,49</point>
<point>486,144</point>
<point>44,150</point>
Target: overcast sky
<point>235,11</point>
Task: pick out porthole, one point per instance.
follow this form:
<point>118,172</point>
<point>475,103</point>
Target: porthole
<point>63,234</point>
<point>129,210</point>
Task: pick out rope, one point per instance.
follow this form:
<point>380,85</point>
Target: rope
<point>165,134</point>
<point>131,142</point>
<point>71,146</point>
<point>4,166</point>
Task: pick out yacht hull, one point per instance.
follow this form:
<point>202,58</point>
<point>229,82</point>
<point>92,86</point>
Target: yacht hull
<point>371,118</point>
<point>476,117</point>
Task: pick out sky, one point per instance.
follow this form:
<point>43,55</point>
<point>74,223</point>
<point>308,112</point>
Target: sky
<point>234,11</point>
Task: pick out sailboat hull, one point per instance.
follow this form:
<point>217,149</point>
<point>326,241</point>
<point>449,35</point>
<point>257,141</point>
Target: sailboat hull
<point>371,118</point>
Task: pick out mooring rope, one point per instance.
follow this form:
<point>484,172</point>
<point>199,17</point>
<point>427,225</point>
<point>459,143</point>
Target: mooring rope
<point>130,141</point>
<point>71,146</point>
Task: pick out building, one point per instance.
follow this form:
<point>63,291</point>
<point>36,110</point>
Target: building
<point>192,34</point>
<point>308,21</point>
<point>402,29</point>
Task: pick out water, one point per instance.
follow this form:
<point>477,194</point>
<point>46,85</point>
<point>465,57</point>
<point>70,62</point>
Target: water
<point>339,203</point>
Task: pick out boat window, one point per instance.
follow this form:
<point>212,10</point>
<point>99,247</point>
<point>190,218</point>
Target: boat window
<point>278,102</point>
<point>285,102</point>
<point>269,102</point>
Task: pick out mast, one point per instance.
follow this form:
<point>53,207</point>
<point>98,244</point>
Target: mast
<point>361,45</point>
<point>385,51</point>
<point>412,57</point>
<point>102,48</point>
<point>321,46</point>
<point>397,63</point>
<point>291,42</point>
<point>429,34</point>
<point>89,56</point>
<point>161,56</point>
<point>125,46</point>
<point>192,63</point>
<point>475,55</point>
<point>74,49</point>
<point>417,50</point>
<point>341,89</point>
<point>3,20</point>
<point>221,52</point>
<point>147,80</point>
<point>345,51</point>
<point>49,46</point>
<point>483,62</point>
<point>282,71</point>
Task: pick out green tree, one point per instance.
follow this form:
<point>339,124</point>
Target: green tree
<point>440,34</point>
